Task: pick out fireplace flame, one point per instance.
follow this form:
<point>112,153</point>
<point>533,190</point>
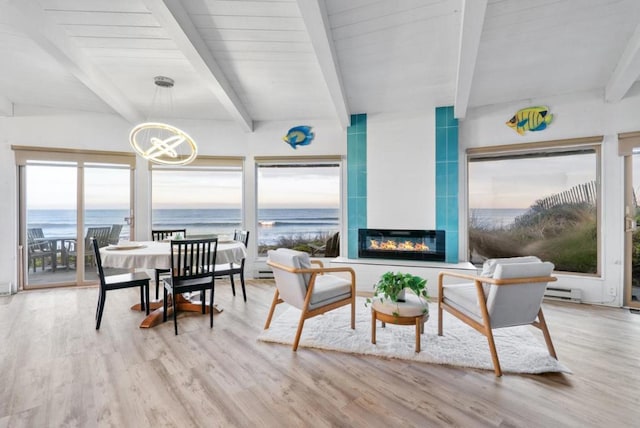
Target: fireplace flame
<point>391,245</point>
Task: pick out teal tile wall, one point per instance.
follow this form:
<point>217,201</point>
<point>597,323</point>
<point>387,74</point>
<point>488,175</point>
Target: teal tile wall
<point>447,179</point>
<point>356,181</point>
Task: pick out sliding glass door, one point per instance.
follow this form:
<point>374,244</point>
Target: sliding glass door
<point>51,221</point>
<point>632,233</point>
<point>65,202</point>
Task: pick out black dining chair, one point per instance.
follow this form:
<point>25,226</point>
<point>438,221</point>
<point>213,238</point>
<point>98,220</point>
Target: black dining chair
<point>192,269</point>
<point>232,269</point>
<point>116,282</point>
<point>160,235</point>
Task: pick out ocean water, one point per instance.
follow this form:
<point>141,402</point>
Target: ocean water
<point>494,218</point>
<point>273,224</point>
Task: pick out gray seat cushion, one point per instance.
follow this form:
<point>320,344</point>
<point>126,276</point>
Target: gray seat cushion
<point>293,286</point>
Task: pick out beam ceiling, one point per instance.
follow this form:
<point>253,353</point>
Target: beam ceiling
<point>31,19</point>
<point>174,18</point>
<point>627,70</point>
<point>473,12</point>
<point>315,18</point>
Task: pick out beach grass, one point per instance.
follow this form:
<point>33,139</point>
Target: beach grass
<point>565,235</point>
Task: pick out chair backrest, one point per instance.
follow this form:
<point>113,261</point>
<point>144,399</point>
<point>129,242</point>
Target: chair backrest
<point>96,251</point>
<point>114,233</point>
<point>292,286</point>
<point>159,235</point>
<point>33,234</point>
<point>489,266</point>
<point>101,234</point>
<point>332,247</point>
<point>193,258</point>
<point>517,304</point>
<point>241,236</point>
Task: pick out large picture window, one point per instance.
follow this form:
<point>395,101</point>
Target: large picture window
<point>541,201</point>
<point>205,199</point>
<point>298,204</point>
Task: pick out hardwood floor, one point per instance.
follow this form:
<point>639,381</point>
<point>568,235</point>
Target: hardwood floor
<point>56,370</point>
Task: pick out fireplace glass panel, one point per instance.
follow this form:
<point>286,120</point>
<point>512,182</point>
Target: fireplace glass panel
<point>401,244</point>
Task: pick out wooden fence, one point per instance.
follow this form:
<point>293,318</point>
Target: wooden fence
<point>582,193</point>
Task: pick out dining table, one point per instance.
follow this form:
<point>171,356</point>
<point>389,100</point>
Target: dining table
<point>157,255</point>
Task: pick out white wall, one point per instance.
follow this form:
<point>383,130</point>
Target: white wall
<point>401,171</point>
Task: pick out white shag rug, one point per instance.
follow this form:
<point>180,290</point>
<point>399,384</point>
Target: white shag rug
<point>520,349</point>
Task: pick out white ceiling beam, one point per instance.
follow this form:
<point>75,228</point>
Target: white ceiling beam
<point>314,15</point>
<point>626,72</point>
<point>473,12</point>
<point>6,106</point>
<point>176,21</point>
<point>31,19</point>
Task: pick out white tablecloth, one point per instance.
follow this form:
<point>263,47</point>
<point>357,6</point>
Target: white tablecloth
<point>157,255</point>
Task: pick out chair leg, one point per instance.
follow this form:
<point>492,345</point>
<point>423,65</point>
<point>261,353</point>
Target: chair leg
<point>547,336</point>
<point>494,352</point>
<point>142,301</point>
<point>244,292</point>
<point>276,297</point>
<point>211,306</point>
<point>233,286</point>
<point>353,313</point>
<point>439,318</point>
<point>299,332</point>
<point>146,297</point>
<point>157,283</point>
<point>103,297</point>
<point>175,312</point>
<point>165,304</point>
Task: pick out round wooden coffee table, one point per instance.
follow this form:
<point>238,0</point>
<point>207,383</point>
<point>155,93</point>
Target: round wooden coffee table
<point>409,312</point>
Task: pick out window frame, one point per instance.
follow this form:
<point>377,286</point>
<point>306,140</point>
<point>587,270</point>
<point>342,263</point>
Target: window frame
<point>538,148</point>
<point>262,161</point>
<point>204,163</point>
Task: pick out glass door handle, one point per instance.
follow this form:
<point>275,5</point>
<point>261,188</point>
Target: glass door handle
<point>630,224</point>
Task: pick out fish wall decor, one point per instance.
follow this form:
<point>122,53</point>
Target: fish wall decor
<point>299,136</point>
<point>530,119</point>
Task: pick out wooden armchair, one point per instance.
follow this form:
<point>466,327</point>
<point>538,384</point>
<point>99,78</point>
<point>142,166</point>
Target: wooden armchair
<point>39,248</point>
<point>509,293</point>
<point>100,234</point>
<point>312,290</point>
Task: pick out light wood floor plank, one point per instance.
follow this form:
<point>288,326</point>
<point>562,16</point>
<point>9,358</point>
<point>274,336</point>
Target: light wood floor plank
<point>57,370</point>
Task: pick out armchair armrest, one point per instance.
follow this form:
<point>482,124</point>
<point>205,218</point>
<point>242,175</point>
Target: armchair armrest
<point>489,280</point>
<point>319,270</point>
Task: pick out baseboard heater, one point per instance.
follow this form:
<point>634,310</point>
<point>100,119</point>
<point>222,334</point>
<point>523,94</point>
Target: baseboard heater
<point>566,294</point>
<point>264,274</point>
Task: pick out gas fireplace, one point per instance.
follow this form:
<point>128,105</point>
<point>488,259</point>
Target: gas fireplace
<point>401,244</point>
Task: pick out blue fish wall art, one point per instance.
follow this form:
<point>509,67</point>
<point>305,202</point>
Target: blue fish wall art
<point>530,119</point>
<point>299,136</point>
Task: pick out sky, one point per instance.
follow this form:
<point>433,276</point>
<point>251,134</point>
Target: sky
<point>513,183</point>
<point>518,183</point>
<point>54,187</point>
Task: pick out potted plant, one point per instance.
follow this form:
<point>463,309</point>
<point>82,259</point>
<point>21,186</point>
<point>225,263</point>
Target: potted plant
<point>392,286</point>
